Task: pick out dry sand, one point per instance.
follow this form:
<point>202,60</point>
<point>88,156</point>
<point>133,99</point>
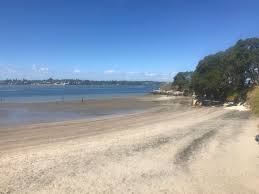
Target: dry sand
<point>175,149</point>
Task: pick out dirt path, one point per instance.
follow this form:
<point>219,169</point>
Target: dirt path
<point>207,150</point>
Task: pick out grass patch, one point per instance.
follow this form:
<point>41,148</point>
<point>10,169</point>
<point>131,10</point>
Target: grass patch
<point>253,100</point>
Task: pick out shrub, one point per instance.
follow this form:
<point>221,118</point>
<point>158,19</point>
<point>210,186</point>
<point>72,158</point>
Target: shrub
<point>253,100</point>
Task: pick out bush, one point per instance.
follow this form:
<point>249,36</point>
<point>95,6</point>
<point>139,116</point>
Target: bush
<point>232,97</point>
<point>253,100</point>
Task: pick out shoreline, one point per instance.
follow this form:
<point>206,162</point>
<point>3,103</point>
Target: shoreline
<point>50,131</point>
<point>168,147</point>
<point>29,129</point>
<point>13,114</point>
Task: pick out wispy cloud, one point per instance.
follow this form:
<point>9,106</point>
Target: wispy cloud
<point>149,74</point>
<point>9,71</point>
<point>40,69</point>
<point>77,71</point>
<point>132,72</point>
<point>138,75</point>
<point>110,71</point>
<point>43,72</point>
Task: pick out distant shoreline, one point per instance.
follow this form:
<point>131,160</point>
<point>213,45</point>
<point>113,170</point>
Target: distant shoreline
<point>64,82</point>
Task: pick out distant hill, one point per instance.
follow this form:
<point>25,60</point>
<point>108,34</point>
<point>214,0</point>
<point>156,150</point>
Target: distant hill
<point>51,81</point>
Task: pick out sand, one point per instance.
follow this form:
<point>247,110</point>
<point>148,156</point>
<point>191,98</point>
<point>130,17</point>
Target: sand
<point>239,107</point>
<point>170,149</point>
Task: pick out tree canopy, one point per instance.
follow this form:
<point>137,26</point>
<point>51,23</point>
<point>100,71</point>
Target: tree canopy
<point>233,71</point>
<point>182,80</point>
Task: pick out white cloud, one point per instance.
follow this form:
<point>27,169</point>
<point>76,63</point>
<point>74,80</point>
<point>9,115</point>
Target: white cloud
<point>9,71</point>
<point>110,71</point>
<point>149,74</point>
<point>40,69</point>
<point>44,69</point>
<point>76,71</point>
<point>138,75</point>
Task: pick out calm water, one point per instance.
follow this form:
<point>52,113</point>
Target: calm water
<point>60,93</point>
<point>13,114</point>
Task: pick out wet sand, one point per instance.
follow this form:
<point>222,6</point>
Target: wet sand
<point>172,148</point>
<point>13,114</point>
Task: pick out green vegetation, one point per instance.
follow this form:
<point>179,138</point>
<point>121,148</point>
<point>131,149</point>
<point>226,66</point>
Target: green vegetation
<point>225,76</point>
<point>230,74</point>
<point>182,81</point>
<point>253,100</point>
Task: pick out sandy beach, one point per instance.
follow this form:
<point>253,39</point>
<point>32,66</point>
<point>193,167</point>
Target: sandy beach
<point>169,148</point>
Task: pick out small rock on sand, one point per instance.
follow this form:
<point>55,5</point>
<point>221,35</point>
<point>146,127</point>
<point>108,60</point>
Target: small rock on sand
<point>257,138</point>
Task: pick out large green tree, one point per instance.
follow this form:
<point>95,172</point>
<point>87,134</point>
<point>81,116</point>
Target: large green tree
<point>182,80</point>
<point>225,73</point>
<point>209,79</point>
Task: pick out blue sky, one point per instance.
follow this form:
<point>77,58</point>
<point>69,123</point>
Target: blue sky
<point>117,39</point>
